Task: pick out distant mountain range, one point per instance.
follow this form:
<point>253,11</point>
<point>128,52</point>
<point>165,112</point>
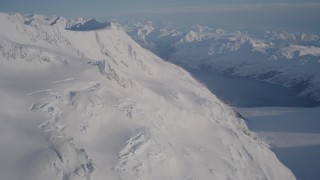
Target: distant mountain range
<point>289,59</point>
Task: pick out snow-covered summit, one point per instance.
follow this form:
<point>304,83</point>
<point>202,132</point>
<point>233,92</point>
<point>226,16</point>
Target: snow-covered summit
<point>95,105</point>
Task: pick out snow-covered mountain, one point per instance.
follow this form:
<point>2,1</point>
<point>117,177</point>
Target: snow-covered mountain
<point>289,59</point>
<point>81,100</point>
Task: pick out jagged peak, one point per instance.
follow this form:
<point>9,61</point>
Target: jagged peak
<point>84,24</point>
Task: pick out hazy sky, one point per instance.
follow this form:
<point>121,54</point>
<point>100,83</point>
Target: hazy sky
<point>262,14</point>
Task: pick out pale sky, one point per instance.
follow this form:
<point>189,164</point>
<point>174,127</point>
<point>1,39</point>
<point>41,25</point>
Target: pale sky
<point>292,15</point>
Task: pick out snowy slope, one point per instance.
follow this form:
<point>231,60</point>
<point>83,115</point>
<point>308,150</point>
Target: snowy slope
<point>90,103</point>
<point>289,59</point>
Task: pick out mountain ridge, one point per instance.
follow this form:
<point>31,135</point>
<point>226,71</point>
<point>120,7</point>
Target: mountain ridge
<point>95,105</point>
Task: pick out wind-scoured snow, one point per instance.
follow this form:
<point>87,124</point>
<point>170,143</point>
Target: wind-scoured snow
<point>93,104</point>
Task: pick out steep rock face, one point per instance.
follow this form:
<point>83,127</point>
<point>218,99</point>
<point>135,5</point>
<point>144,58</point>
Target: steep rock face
<point>95,105</point>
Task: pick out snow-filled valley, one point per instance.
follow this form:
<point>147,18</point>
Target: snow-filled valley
<point>81,100</point>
